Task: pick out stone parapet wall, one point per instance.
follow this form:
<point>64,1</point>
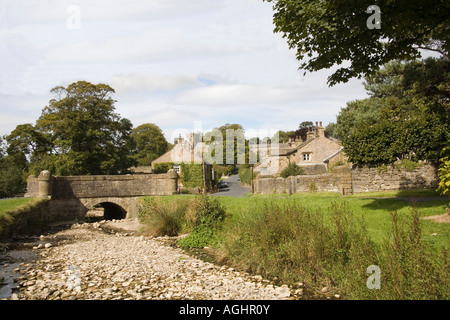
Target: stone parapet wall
<point>112,186</point>
<point>105,186</point>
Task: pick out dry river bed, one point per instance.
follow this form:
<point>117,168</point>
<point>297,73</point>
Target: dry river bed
<point>106,260</point>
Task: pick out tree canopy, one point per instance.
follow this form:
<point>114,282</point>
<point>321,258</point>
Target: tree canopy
<point>149,143</point>
<point>336,33</point>
<point>78,133</point>
<point>407,115</point>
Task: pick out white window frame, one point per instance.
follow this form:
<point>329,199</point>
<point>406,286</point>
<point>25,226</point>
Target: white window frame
<point>306,156</point>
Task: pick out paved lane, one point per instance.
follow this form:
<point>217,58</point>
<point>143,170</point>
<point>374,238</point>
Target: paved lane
<point>234,188</point>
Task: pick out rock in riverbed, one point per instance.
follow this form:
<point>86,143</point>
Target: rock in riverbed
<point>97,265</point>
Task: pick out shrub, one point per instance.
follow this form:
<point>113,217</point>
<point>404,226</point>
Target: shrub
<point>292,170</point>
<point>209,215</point>
<point>289,242</point>
<point>162,217</point>
<point>294,244</point>
<point>245,173</point>
<point>192,175</point>
<point>312,187</point>
<point>162,167</point>
<point>444,172</point>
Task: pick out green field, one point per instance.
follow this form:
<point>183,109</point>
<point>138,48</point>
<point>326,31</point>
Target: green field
<point>12,213</point>
<point>374,208</point>
<point>11,204</point>
<point>318,238</point>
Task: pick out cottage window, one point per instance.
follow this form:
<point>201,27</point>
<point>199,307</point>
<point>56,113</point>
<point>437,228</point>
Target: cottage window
<point>176,167</point>
<point>306,156</point>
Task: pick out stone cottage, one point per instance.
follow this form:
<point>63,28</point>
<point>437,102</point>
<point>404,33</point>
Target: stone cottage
<point>315,154</point>
<point>187,151</point>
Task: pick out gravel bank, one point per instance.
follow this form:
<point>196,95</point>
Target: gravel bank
<point>105,260</point>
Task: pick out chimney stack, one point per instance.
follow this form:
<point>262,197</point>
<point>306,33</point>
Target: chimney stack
<point>320,130</point>
<point>311,133</point>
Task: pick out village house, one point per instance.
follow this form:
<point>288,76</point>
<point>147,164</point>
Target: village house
<point>187,151</point>
<point>316,154</point>
<point>184,151</point>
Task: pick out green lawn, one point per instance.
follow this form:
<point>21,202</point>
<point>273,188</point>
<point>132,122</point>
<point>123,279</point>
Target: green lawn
<point>10,204</point>
<point>374,208</point>
<point>317,237</point>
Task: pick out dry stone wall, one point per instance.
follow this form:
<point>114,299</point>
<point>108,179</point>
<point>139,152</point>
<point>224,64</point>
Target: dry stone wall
<point>356,180</point>
<point>391,178</point>
<point>331,182</point>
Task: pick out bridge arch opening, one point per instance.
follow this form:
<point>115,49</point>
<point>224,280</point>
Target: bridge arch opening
<point>112,211</point>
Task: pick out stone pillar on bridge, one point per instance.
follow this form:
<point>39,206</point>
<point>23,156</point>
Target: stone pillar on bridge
<point>45,186</point>
<point>173,176</point>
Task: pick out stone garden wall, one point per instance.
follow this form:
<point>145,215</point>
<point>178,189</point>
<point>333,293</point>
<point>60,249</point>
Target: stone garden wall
<point>355,180</point>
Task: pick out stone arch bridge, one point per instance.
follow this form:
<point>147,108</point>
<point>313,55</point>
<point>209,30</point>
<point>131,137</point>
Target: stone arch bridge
<point>71,197</point>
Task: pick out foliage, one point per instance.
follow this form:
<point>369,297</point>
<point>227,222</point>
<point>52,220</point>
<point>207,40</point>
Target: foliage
<point>444,172</point>
<point>191,175</point>
<point>282,136</point>
<point>209,215</point>
<point>330,130</point>
<point>229,141</point>
<point>162,167</point>
<point>292,170</point>
<point>329,33</point>
<point>406,116</point>
<point>163,218</point>
<point>22,215</point>
<point>223,170</point>
<point>77,133</point>
<point>296,244</point>
<point>13,170</point>
<point>149,142</point>
<point>245,173</point>
<point>305,124</point>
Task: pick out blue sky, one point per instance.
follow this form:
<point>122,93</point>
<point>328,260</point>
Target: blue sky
<point>171,62</point>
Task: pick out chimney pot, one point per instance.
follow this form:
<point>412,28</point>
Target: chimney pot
<point>320,123</point>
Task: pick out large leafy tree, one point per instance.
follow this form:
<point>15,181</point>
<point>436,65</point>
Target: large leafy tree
<point>149,142</point>
<point>229,140</point>
<point>335,33</point>
<point>407,115</point>
<point>13,170</point>
<point>84,135</point>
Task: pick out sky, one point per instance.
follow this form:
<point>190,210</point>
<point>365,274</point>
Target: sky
<point>182,65</point>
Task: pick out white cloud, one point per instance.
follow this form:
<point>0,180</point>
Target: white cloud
<point>232,94</point>
<point>171,62</point>
<point>152,82</point>
<point>8,122</point>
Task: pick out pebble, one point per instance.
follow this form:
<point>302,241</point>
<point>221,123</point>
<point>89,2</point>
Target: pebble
<point>119,265</point>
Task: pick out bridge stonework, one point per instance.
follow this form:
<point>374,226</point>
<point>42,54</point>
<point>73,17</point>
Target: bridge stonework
<point>71,197</point>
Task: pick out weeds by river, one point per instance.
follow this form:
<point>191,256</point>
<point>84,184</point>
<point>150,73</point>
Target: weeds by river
<point>328,249</point>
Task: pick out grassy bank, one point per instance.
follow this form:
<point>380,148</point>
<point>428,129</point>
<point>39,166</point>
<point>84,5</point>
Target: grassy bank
<point>324,238</point>
<point>17,215</point>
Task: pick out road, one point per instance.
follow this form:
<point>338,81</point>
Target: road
<point>234,188</point>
